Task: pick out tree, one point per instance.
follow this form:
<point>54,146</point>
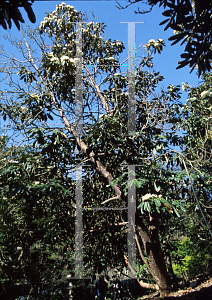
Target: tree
<point>41,106</point>
<point>197,142</point>
<point>9,10</point>
<point>191,23</point>
<point>36,228</point>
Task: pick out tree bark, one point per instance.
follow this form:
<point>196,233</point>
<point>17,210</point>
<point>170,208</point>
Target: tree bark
<point>150,238</point>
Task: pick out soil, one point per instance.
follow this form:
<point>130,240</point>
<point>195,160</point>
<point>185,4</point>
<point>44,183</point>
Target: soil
<point>200,288</point>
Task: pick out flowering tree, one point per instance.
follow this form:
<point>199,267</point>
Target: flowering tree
<point>43,105</point>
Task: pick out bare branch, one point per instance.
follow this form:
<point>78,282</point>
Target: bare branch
<point>98,91</point>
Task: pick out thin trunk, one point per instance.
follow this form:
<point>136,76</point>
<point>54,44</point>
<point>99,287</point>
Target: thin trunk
<point>150,239</point>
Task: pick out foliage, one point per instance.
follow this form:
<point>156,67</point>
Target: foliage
<point>186,244</point>
<point>198,140</point>
<point>28,211</point>
<point>39,182</point>
<point>191,22</point>
<point>9,10</point>
<point>192,258</point>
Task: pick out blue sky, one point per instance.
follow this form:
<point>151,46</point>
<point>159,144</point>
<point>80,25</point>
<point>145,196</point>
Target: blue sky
<point>107,12</point>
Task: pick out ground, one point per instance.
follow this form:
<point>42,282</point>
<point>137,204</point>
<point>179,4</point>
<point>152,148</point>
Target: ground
<point>199,289</point>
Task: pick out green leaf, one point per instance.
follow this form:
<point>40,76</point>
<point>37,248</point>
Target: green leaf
<point>148,207</point>
<point>167,13</point>
<point>178,36</point>
<point>183,64</point>
<point>176,211</point>
<point>157,188</point>
<point>57,139</point>
<point>164,21</point>
<point>50,117</point>
<point>157,202</point>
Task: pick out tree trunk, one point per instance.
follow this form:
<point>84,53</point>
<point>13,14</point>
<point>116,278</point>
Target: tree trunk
<point>148,235</point>
<point>150,239</point>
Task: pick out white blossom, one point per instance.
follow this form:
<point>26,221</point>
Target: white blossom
<point>184,86</point>
<point>151,41</point>
<point>64,57</point>
<point>72,60</point>
<point>42,23</point>
<point>149,196</point>
<point>70,7</point>
<point>54,59</point>
<point>203,94</point>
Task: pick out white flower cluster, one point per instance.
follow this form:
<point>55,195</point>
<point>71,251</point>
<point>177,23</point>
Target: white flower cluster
<point>151,41</point>
<point>59,6</point>
<point>204,93</point>
<point>54,59</point>
<point>53,16</point>
<point>90,23</point>
<point>193,98</point>
<point>70,7</point>
<point>62,59</point>
<point>149,196</point>
<point>160,42</point>
<point>69,59</point>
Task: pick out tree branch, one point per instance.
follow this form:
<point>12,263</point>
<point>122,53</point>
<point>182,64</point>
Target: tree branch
<point>98,91</point>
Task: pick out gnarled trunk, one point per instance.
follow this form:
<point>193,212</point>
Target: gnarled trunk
<point>150,239</point>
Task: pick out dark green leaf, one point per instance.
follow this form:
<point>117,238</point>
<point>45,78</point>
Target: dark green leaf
<point>167,13</point>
